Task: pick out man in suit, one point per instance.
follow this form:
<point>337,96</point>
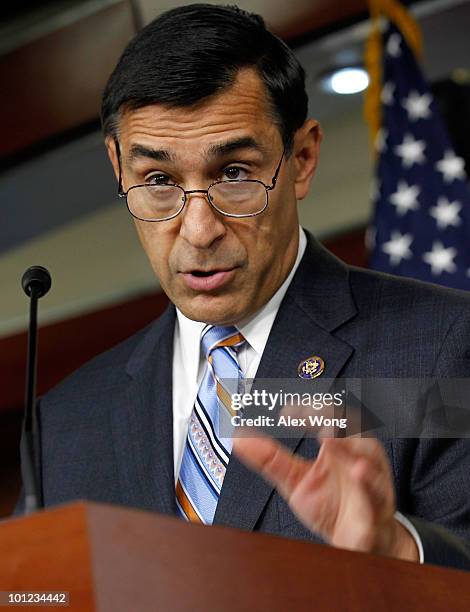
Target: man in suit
<point>205,125</point>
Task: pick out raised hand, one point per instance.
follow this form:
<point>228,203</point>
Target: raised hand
<point>346,494</point>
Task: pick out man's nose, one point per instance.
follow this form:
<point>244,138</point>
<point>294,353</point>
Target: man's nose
<point>201,224</point>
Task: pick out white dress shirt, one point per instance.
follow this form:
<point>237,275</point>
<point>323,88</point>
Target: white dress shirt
<point>189,365</point>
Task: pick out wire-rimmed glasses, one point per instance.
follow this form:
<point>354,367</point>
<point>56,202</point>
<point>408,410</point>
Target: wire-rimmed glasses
<point>231,198</point>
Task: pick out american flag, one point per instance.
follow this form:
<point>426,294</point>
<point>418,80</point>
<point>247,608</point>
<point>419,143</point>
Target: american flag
<point>421,225</point>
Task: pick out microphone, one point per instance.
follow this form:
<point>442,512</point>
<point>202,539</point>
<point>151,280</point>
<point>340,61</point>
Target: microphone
<point>36,279</point>
<point>36,282</point>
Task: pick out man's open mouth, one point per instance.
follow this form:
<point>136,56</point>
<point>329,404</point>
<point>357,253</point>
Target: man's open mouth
<point>204,273</point>
<point>207,280</point>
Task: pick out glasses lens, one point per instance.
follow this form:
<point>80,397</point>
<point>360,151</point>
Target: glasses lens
<point>238,197</point>
<point>155,202</point>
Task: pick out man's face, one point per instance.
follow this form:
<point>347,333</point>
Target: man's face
<point>216,269</point>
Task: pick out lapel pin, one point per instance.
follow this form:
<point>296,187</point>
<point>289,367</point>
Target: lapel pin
<point>311,367</point>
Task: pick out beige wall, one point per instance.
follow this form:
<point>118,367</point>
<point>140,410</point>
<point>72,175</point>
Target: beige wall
<point>339,198</point>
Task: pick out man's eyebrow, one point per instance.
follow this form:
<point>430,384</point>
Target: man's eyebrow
<point>224,148</point>
<point>137,151</point>
<point>247,142</point>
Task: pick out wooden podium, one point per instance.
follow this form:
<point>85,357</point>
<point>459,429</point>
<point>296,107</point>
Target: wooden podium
<point>113,559</point>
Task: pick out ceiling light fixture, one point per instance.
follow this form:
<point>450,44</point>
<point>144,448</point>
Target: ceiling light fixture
<point>345,81</point>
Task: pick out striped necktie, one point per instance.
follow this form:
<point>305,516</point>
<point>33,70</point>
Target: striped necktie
<point>206,453</point>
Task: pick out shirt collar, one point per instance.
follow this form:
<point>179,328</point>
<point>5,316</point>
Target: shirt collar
<point>256,329</point>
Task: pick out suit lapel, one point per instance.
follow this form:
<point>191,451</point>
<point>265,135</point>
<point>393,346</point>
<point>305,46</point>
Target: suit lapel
<point>142,422</point>
<point>316,303</point>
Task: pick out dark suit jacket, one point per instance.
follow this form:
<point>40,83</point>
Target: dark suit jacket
<point>106,431</point>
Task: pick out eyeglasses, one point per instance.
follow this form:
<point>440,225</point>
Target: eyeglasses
<point>231,197</point>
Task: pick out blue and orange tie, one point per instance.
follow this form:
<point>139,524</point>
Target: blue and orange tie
<point>208,443</point>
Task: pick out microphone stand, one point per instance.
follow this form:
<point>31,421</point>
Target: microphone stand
<point>36,282</point>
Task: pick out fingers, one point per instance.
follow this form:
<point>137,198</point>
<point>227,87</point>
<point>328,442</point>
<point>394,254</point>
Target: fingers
<point>351,449</point>
<point>375,487</point>
<point>364,458</point>
<point>270,459</point>
<point>346,494</point>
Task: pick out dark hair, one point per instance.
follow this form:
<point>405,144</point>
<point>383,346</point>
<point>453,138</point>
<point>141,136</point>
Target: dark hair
<point>193,52</point>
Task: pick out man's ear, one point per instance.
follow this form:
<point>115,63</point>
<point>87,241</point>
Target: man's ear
<point>110,144</point>
<point>305,154</point>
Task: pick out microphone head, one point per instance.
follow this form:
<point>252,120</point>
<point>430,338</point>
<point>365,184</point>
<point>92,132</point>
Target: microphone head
<point>37,278</point>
